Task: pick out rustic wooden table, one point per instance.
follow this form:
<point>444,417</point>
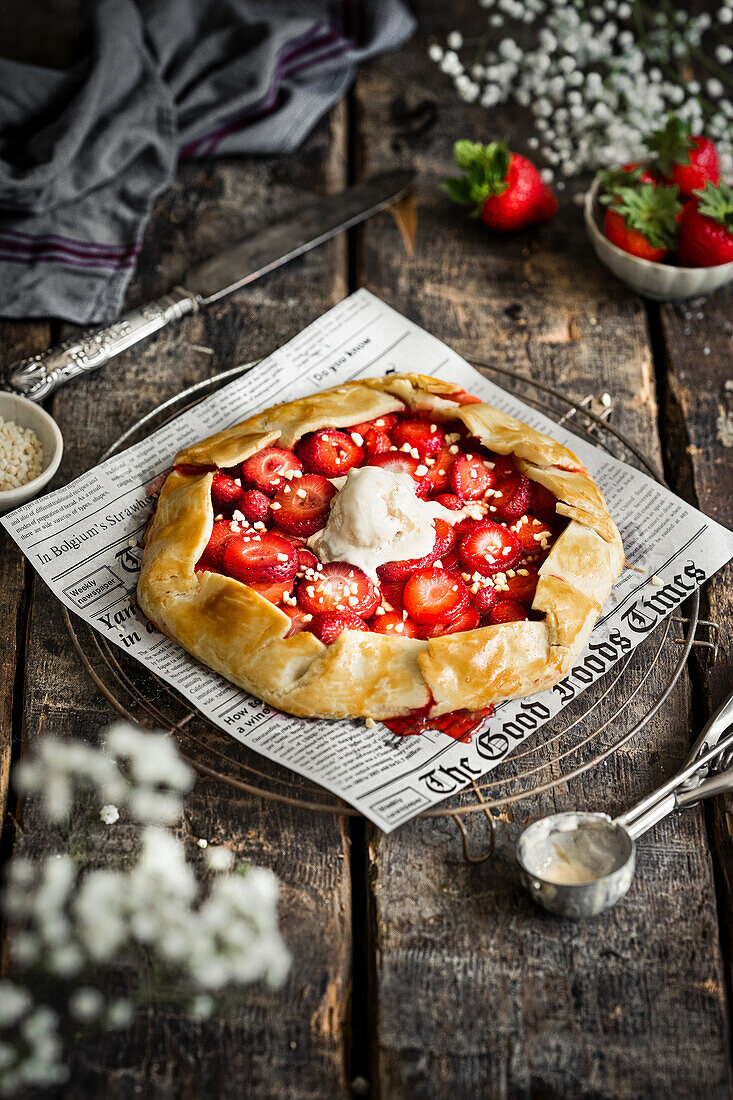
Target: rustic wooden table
<point>425,975</point>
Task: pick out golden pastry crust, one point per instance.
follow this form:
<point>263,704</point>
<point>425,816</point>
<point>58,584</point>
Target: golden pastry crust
<point>238,633</point>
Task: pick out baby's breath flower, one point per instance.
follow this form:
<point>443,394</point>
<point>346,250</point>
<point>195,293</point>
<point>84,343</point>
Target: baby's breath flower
<point>220,859</point>
<point>202,1007</point>
<point>119,1013</point>
<point>86,1004</point>
<point>68,920</point>
<point>616,76</point>
<point>14,1003</point>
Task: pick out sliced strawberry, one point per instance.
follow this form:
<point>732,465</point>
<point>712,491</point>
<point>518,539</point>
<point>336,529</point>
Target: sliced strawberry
<point>512,497</point>
<point>507,611</point>
<point>189,470</point>
<point>212,558</point>
<point>382,423</point>
<point>395,571</point>
<point>533,533</point>
<point>266,470</point>
<point>437,478</point>
<point>433,596</point>
<point>467,619</point>
<point>465,527</point>
<point>301,506</point>
<point>298,541</point>
<point>470,477</point>
<point>226,495</point>
<point>425,436</point>
<point>338,586</point>
<point>522,586</point>
<point>376,442</point>
<point>329,627</point>
<point>272,592</point>
<point>490,548</point>
<point>397,462</point>
<point>462,398</point>
<point>306,559</point>
<point>503,466</point>
<point>298,620</point>
<point>484,599</point>
<point>445,540</point>
<point>255,506</point>
<point>392,592</point>
<point>393,622</point>
<point>267,558</point>
<point>329,452</point>
<point>449,500</point>
<point>543,502</point>
<point>451,560</point>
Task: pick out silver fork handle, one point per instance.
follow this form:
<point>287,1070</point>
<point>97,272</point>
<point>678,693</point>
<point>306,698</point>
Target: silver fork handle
<point>39,375</point>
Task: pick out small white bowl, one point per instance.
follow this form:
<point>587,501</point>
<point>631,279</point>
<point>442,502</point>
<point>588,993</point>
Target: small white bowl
<point>659,281</point>
<point>27,414</point>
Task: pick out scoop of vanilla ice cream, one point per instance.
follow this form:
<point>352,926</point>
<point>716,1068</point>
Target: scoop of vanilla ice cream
<point>376,517</point>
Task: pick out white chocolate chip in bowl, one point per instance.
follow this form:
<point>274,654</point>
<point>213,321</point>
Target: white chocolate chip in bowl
<point>29,418</point>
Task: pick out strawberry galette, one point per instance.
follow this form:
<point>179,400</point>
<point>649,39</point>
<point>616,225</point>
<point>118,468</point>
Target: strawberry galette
<point>388,547</point>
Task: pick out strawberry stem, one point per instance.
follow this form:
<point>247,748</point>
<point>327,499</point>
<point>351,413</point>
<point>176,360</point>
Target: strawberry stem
<point>485,168</point>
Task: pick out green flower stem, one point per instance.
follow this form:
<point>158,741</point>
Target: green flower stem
<point>638,17</point>
<point>712,65</point>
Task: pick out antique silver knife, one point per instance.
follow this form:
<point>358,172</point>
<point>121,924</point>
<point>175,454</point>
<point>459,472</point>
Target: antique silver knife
<point>39,375</point>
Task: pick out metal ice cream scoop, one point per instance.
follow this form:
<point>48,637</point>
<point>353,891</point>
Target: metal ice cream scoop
<point>578,864</point>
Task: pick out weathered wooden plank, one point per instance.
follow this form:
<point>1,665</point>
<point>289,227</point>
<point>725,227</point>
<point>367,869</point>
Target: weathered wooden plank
<point>699,449</point>
<point>476,991</point>
<point>15,342</point>
<point>291,1042</point>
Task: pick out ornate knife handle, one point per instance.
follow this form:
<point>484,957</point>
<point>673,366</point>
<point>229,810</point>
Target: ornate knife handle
<point>39,375</point>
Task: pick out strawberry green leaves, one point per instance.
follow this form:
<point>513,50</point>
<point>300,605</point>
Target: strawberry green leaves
<point>651,210</point>
<point>611,179</point>
<point>485,168</point>
<point>671,145</point>
<point>717,203</point>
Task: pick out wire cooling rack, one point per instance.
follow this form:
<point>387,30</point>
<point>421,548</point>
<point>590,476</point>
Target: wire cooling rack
<point>594,725</point>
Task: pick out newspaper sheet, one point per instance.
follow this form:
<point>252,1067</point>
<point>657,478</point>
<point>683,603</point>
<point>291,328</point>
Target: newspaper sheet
<point>84,541</point>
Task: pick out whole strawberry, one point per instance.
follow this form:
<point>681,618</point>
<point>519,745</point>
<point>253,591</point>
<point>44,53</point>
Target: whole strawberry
<point>689,160</point>
<point>643,220</point>
<point>706,228</point>
<point>505,189</point>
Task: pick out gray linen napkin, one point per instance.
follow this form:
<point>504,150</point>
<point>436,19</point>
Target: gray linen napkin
<point>84,154</point>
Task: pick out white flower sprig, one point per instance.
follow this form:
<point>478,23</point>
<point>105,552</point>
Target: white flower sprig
<point>598,77</point>
<point>70,924</point>
<point>135,768</point>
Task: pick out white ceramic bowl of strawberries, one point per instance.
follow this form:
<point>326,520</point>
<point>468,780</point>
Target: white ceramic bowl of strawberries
<point>662,282</point>
<point>683,171</point>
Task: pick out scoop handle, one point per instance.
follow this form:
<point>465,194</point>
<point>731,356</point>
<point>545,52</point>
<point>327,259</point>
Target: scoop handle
<point>672,795</point>
<point>715,784</point>
<point>713,730</point>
